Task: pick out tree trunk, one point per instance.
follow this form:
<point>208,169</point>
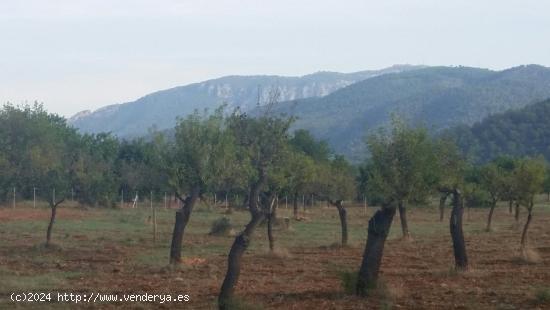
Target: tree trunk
<point>342,212</point>
<point>524,233</point>
<point>404,222</point>
<point>457,235</point>
<point>378,230</point>
<point>271,217</point>
<point>241,243</point>
<point>516,216</point>
<point>53,206</point>
<point>182,218</point>
<point>295,206</point>
<point>510,205</point>
<point>490,218</point>
<point>442,201</point>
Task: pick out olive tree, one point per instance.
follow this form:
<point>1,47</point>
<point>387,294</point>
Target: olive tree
<point>451,168</point>
<point>198,155</point>
<point>400,169</point>
<point>529,176</point>
<point>260,145</point>
<point>336,182</point>
<point>493,180</point>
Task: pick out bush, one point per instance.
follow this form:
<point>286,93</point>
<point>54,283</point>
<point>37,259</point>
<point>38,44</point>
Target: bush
<point>349,281</point>
<point>542,295</point>
<point>221,227</point>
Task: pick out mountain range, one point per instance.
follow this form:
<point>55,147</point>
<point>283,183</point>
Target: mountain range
<point>340,108</point>
<point>436,97</point>
<point>160,109</point>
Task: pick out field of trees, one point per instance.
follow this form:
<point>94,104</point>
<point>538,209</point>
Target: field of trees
<point>240,212</point>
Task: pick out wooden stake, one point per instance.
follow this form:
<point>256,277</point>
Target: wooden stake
<point>154,220</point>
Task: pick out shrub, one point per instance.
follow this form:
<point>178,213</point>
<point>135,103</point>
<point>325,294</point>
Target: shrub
<point>349,281</point>
<point>542,295</point>
<point>221,227</point>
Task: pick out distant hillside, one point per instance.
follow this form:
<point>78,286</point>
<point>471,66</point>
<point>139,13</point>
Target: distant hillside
<point>519,132</point>
<point>439,97</point>
<point>161,108</point>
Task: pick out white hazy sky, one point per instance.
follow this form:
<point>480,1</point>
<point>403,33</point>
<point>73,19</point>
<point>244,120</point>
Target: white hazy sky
<point>75,55</point>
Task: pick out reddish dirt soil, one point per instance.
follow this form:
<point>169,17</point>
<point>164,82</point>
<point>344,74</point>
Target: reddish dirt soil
<point>416,274</point>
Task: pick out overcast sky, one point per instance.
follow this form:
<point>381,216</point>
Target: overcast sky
<point>75,55</point>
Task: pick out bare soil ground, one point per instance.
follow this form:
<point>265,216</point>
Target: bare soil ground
<point>111,251</point>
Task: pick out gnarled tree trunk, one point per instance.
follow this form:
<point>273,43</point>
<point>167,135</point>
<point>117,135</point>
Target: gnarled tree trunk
<point>271,216</point>
<point>53,206</point>
<point>516,216</point>
<point>490,218</point>
<point>404,222</point>
<point>442,201</point>
<point>457,234</point>
<point>526,227</point>
<point>295,205</point>
<point>379,228</point>
<point>241,243</point>
<point>342,213</point>
<point>182,218</point>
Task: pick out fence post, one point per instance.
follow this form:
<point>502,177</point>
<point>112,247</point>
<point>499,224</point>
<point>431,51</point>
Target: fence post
<point>154,219</point>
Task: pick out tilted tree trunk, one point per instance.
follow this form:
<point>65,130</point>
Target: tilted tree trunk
<point>182,218</point>
<point>526,227</point>
<point>271,217</point>
<point>378,230</point>
<point>53,206</point>
<point>241,243</point>
<point>295,205</point>
<point>457,234</point>
<point>516,216</point>
<point>342,213</point>
<point>442,201</point>
<point>404,222</point>
<point>490,218</point>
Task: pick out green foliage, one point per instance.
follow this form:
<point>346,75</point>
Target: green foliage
<point>529,177</point>
<point>304,142</point>
<point>201,155</point>
<point>402,164</point>
<point>36,150</point>
<point>517,133</point>
<point>261,145</point>
<point>335,180</point>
